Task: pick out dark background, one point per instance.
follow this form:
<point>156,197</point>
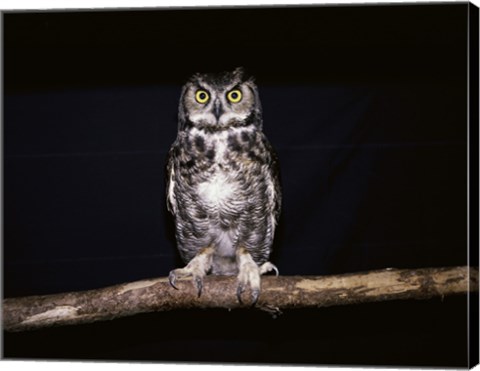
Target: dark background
<point>366,107</point>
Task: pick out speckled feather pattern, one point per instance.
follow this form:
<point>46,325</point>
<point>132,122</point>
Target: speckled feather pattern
<point>222,177</point>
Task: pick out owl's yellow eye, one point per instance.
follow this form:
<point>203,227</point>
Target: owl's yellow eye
<point>234,96</point>
<point>202,96</point>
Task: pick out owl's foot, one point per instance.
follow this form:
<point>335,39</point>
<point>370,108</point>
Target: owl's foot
<point>197,268</point>
<point>249,275</point>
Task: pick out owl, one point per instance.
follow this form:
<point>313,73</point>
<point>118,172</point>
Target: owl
<point>223,183</point>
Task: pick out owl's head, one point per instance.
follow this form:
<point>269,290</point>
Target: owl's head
<point>220,101</point>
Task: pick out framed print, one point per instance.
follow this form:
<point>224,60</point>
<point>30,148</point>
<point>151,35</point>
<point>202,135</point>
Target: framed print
<point>161,166</point>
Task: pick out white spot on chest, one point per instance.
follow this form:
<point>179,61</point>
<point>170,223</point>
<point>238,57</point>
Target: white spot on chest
<point>217,190</point>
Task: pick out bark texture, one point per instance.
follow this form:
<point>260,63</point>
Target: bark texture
<point>283,292</point>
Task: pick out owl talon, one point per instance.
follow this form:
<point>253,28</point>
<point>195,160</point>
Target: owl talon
<point>172,278</point>
<point>199,284</point>
<point>277,273</point>
<point>255,295</point>
<point>240,290</point>
<point>269,267</point>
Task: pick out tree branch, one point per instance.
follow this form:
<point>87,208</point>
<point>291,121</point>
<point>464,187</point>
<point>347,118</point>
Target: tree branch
<point>283,292</point>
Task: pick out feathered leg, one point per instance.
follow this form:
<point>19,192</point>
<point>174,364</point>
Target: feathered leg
<point>197,268</point>
<point>249,274</point>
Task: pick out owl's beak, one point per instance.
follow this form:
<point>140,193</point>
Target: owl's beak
<point>217,109</point>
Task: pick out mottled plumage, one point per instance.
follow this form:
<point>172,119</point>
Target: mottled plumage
<point>222,182</point>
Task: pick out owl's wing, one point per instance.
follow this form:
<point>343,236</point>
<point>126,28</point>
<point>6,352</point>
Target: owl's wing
<point>275,201</point>
<point>170,181</point>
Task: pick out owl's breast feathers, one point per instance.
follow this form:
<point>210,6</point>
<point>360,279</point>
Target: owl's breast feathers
<point>229,172</point>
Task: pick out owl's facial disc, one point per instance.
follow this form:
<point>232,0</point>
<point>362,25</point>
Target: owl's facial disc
<point>219,105</point>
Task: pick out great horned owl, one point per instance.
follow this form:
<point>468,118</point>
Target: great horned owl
<point>222,182</point>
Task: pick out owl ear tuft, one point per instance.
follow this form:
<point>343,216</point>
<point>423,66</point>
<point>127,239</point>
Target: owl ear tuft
<point>239,71</point>
<point>242,74</point>
<point>182,115</point>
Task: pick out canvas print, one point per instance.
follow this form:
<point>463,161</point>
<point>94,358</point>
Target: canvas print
<point>269,185</point>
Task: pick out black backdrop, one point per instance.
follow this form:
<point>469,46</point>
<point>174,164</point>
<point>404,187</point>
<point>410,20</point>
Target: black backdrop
<point>366,107</point>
